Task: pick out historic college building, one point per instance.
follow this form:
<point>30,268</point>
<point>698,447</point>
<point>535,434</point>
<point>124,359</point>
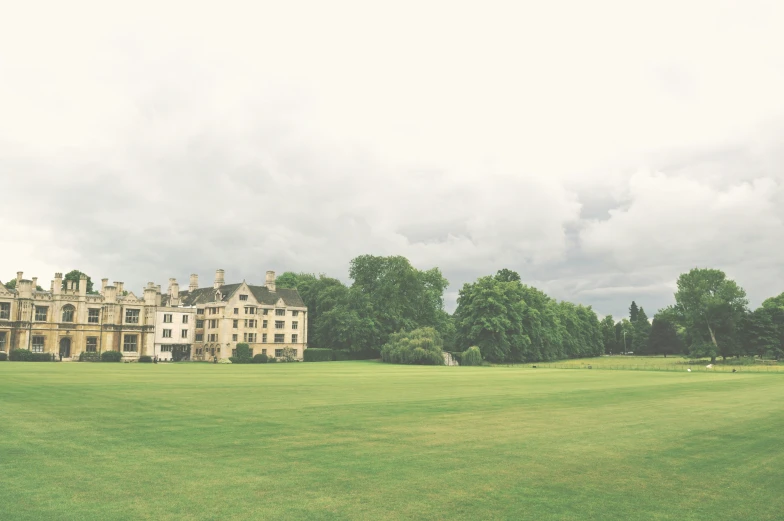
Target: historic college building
<point>206,323</point>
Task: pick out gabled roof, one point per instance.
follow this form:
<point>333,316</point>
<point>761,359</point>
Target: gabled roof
<point>261,294</point>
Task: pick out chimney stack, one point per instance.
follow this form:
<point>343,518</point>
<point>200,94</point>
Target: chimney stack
<point>19,276</point>
<point>194,285</point>
<point>119,286</point>
<point>218,279</point>
<point>35,283</point>
<point>174,293</point>
<point>104,283</point>
<point>82,284</point>
<point>57,285</point>
<point>270,282</point>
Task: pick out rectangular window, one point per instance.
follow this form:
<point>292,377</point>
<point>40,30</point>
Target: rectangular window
<point>233,352</point>
<point>280,324</point>
<point>214,311</point>
<point>294,339</point>
<point>264,338</point>
<point>279,339</point>
<point>5,311</point>
<point>167,318</point>
<point>250,310</point>
<point>2,340</point>
<point>200,324</point>
<point>236,311</point>
<point>234,338</point>
<point>166,348</point>
<point>130,343</point>
<point>278,353</point>
<point>132,316</point>
<point>250,337</point>
<point>38,344</point>
<point>265,311</point>
<point>214,323</point>
<point>68,314</point>
<point>93,316</point>
<point>264,351</point>
<point>92,344</point>
<point>251,323</point>
<point>264,324</point>
<point>199,311</point>
<point>294,313</point>
<point>185,319</point>
<point>294,325</point>
<point>199,337</point>
<point>213,337</point>
<point>183,333</point>
<point>280,312</point>
<point>167,333</point>
<point>40,313</point>
<point>243,297</point>
<point>236,324</point>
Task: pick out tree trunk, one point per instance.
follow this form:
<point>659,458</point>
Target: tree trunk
<point>715,344</point>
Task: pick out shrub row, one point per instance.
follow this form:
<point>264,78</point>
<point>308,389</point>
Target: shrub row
<point>24,355</point>
<point>3,356</point>
<point>145,359</point>
<point>89,357</point>
<point>315,354</point>
<point>111,356</point>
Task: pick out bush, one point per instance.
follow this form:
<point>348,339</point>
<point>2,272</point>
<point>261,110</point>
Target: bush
<point>145,359</point>
<point>317,355</point>
<point>471,356</point>
<point>224,361</point>
<point>260,358</point>
<point>271,360</point>
<point>340,355</point>
<point>422,346</point>
<point>111,356</point>
<point>3,356</point>
<point>289,354</point>
<point>84,356</point>
<point>238,360</point>
<point>24,355</point>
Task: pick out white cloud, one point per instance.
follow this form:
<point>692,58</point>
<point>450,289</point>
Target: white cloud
<point>579,143</point>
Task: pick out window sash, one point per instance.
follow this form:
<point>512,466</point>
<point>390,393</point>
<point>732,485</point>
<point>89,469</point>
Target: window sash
<point>93,316</point>
<point>130,343</point>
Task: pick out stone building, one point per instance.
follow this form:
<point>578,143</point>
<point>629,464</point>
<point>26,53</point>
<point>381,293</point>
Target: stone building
<point>267,318</point>
<point>175,324</point>
<point>67,321</point>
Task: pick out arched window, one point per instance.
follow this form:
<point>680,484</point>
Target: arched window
<point>68,313</point>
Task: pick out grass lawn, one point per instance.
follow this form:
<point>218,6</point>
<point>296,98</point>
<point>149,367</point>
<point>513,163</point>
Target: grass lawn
<point>363,440</point>
<point>661,363</point>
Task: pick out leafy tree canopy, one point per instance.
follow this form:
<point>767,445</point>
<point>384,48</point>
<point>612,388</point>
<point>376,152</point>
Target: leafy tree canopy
<point>74,275</point>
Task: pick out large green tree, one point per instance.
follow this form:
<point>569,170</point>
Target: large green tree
<point>664,338</point>
<point>75,276</point>
<point>710,306</point>
<point>642,330</point>
<point>609,340</point>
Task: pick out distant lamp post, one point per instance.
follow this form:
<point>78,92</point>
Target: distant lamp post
<point>624,343</point>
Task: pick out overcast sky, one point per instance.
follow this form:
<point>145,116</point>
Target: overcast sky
<point>598,148</point>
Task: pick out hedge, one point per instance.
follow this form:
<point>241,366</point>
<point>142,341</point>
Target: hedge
<point>260,358</point>
<point>145,359</point>
<point>317,355</point>
<point>111,356</point>
<point>3,356</point>
<point>24,355</point>
<point>84,356</point>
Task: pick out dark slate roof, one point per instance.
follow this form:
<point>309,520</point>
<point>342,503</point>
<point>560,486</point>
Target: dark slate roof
<point>261,293</point>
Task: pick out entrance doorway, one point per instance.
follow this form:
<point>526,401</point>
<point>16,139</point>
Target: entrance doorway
<point>65,347</point>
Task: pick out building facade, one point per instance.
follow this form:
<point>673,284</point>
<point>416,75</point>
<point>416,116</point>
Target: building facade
<point>66,321</point>
<point>270,320</point>
<point>207,323</point>
<point>175,325</point>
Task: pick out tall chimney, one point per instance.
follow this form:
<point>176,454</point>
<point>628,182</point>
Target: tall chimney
<point>57,284</point>
<point>19,276</point>
<point>218,279</point>
<point>110,294</point>
<point>104,283</point>
<point>82,284</point>
<point>174,293</point>
<point>194,285</point>
<point>119,286</point>
<point>35,283</point>
<point>270,282</point>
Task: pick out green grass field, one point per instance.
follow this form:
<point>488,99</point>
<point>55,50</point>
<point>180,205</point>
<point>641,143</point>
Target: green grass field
<point>660,363</point>
<point>363,440</point>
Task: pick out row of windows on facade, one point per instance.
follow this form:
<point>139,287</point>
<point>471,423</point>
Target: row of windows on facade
<point>38,343</point>
<point>167,333</point>
<point>212,351</point>
<point>131,315</point>
<point>214,323</point>
<point>249,337</point>
<point>249,310</point>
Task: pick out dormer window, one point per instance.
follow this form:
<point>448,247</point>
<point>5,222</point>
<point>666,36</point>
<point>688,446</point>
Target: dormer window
<point>243,297</point>
<point>68,313</point>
